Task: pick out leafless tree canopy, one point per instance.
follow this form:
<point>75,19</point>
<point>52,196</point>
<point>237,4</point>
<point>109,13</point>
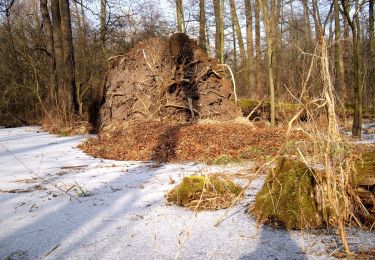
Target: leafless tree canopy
<point>54,54</point>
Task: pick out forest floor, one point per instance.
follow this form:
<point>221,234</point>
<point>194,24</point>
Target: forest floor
<point>122,212</point>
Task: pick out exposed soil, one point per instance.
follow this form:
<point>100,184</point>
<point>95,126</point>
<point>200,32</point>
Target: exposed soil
<point>165,142</point>
<point>161,79</point>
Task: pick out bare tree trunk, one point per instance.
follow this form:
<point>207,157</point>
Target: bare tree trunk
<point>371,26</point>
<point>47,25</point>
<point>222,32</point>
<point>257,45</point>
<point>202,25</point>
<point>306,17</point>
<point>69,63</point>
<point>339,60</point>
<point>358,90</point>
<point>234,48</point>
<point>372,50</point>
<point>353,23</point>
<point>217,12</point>
<point>237,28</point>
<point>103,21</point>
<point>57,37</point>
<point>249,40</point>
<point>275,9</point>
<point>317,21</point>
<point>180,16</point>
<point>270,52</point>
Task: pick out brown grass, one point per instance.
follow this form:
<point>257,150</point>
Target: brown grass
<point>65,125</point>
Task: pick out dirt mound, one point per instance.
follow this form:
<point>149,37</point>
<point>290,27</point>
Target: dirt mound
<point>163,79</point>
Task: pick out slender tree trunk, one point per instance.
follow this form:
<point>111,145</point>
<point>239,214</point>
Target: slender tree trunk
<point>237,28</point>
<point>275,8</point>
<point>371,27</point>
<point>306,18</point>
<point>69,63</point>
<point>258,51</point>
<point>58,46</point>
<point>339,60</point>
<point>103,21</point>
<point>47,25</point>
<point>270,52</point>
<point>234,48</point>
<point>357,123</point>
<point>317,21</point>
<point>202,25</point>
<point>249,42</point>
<point>371,50</point>
<point>222,32</point>
<point>354,25</point>
<point>180,16</point>
<point>217,12</point>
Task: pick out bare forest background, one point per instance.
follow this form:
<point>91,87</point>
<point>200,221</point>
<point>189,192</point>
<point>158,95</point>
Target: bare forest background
<point>54,54</point>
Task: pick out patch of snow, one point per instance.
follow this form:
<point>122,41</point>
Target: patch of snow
<point>126,215</point>
<point>368,133</point>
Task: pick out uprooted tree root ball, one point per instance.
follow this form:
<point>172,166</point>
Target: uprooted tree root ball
<point>287,197</point>
<point>204,193</point>
<point>161,79</point>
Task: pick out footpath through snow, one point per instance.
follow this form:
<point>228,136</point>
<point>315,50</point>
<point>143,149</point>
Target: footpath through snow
<point>126,215</point>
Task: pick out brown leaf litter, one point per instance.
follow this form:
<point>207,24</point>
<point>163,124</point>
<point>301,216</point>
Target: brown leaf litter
<point>178,142</point>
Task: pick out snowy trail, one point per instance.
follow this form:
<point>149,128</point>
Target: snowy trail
<point>126,215</point>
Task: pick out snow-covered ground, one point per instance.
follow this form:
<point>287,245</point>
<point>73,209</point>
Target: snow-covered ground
<point>368,133</point>
<point>126,215</point>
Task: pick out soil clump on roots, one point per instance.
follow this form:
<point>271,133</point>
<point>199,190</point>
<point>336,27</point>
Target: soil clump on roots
<point>164,79</point>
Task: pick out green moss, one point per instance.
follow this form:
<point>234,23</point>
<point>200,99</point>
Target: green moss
<point>287,197</point>
<point>367,112</point>
<point>288,106</point>
<point>365,170</point>
<point>217,193</point>
<point>247,103</point>
<point>225,159</point>
<point>252,152</point>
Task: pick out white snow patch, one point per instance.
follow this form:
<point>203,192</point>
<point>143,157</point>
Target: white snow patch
<point>126,215</point>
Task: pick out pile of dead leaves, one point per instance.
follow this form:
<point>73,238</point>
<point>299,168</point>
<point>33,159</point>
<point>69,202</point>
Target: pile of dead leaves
<point>176,142</point>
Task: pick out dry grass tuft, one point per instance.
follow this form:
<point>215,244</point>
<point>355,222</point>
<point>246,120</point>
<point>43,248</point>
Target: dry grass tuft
<point>64,125</point>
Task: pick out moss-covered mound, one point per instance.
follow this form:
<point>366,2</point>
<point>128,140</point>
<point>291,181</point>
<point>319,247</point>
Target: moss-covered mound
<point>204,193</point>
<point>287,197</point>
<point>365,170</point>
<point>284,111</point>
<point>363,185</point>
